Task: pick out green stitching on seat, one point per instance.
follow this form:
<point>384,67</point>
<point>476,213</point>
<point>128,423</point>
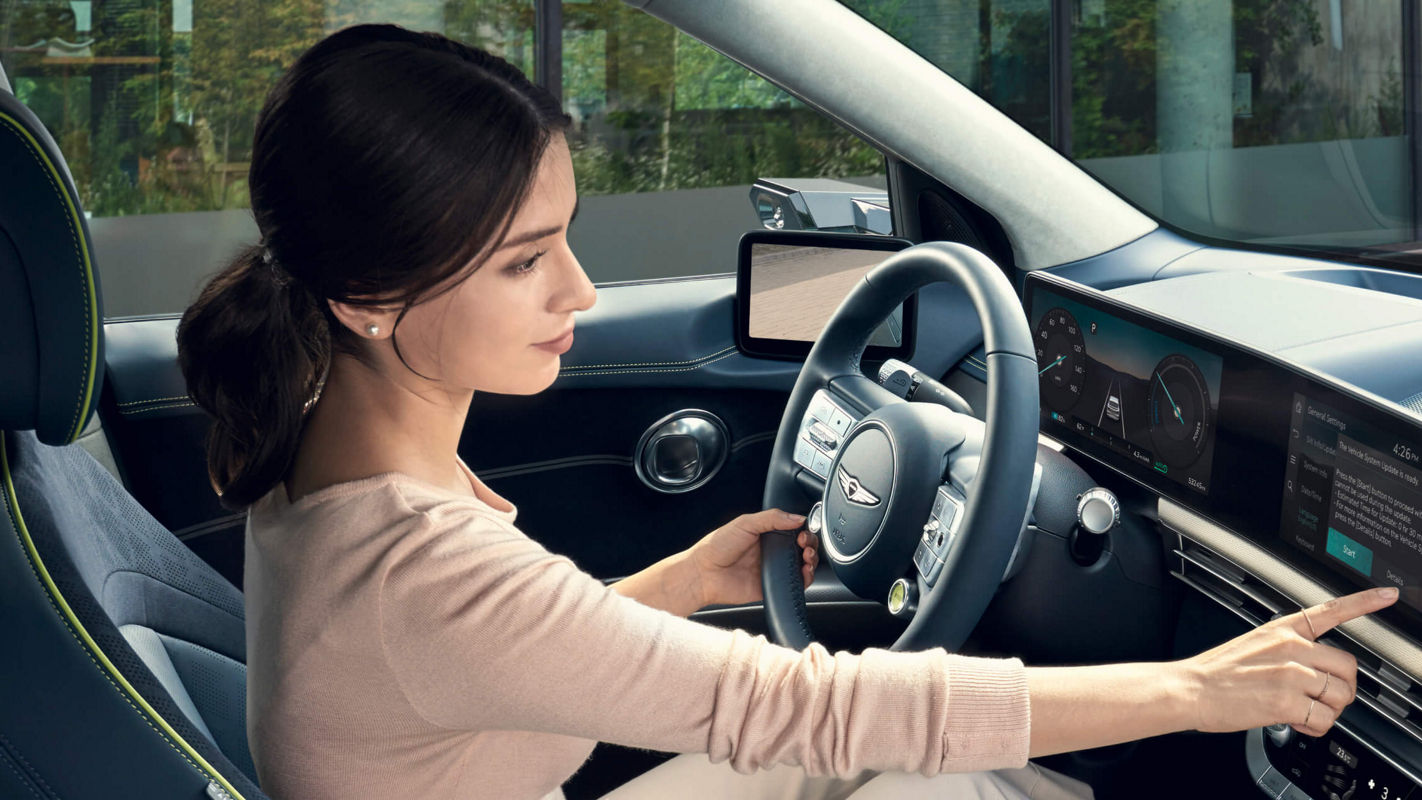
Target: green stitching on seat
<point>131,411</point>
<point>153,400</point>
<point>91,648</point>
<point>91,309</point>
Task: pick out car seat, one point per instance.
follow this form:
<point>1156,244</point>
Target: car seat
<point>124,674</point>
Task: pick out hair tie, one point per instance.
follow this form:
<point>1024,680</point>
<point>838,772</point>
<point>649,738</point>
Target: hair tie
<point>279,274</point>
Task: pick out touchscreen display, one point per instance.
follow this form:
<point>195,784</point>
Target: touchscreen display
<point>1353,497</point>
<point>1147,396</point>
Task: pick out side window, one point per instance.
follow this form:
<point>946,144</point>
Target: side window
<point>153,103</point>
<point>668,138</point>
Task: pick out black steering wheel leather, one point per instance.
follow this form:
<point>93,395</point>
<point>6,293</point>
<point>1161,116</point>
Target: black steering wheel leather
<point>999,493</point>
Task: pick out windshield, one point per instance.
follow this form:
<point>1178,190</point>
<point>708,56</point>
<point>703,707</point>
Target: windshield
<point>1276,123</point>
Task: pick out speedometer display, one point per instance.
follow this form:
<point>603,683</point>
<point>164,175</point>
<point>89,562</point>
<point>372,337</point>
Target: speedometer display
<point>1180,418</point>
<point>1114,385</point>
<point>1061,359</point>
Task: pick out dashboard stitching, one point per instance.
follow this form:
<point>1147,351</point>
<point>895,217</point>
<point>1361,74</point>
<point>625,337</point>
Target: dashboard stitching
<point>649,371</point>
<point>647,363</point>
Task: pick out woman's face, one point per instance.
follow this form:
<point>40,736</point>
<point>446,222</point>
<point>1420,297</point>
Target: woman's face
<point>503,328</point>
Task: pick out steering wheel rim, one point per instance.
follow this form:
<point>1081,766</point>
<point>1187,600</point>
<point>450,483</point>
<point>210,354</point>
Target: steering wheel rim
<point>1001,490</point>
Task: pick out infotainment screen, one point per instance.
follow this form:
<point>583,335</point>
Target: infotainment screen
<point>1145,395</point>
<point>1323,475</point>
<point>1353,496</point>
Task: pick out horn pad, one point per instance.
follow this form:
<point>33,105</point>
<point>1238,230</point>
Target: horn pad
<point>859,492</point>
<point>880,491</point>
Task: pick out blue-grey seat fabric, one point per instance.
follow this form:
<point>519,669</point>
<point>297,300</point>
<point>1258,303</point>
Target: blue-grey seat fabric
<point>122,671</point>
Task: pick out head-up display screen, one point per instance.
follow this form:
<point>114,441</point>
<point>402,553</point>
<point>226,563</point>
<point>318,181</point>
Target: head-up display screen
<point>1145,395</point>
<point>1323,475</point>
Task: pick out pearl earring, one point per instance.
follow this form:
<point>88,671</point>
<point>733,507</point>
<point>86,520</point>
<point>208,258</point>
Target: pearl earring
<point>372,329</point>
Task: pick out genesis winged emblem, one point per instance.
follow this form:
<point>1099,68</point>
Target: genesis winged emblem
<point>854,491</point>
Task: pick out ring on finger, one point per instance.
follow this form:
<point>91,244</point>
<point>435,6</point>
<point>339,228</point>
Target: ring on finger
<point>1311,629</point>
<point>1311,704</point>
<point>1327,676</point>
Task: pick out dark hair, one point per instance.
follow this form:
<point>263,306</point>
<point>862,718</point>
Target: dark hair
<point>384,163</point>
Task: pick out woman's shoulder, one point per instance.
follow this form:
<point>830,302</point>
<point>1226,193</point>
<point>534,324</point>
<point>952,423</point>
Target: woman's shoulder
<point>389,493</point>
<point>388,510</point>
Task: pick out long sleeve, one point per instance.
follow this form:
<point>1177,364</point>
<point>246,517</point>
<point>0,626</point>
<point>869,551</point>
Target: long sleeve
<point>485,630</point>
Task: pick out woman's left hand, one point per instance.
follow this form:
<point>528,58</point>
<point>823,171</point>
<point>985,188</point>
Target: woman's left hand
<point>727,560</point>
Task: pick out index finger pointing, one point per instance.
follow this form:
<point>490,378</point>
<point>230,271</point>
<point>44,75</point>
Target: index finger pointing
<point>1327,616</point>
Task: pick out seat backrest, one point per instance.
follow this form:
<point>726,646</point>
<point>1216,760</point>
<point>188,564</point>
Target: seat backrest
<point>123,671</point>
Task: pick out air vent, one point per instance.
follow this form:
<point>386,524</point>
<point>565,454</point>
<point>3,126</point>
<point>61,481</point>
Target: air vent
<point>1382,687</point>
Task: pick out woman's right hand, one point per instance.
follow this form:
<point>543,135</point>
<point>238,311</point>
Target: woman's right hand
<point>1278,673</point>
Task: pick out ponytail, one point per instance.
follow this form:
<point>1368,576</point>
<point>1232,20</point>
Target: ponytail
<point>253,349</point>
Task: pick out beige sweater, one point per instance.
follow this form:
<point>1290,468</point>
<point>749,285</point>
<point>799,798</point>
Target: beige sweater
<point>408,641</point>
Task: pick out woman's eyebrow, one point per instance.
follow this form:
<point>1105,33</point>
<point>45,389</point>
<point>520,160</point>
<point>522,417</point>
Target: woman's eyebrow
<point>533,236</point>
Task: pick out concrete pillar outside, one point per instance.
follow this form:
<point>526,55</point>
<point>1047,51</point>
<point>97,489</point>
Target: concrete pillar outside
<point>1194,101</point>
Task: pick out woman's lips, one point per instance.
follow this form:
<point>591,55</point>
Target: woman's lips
<point>557,346</point>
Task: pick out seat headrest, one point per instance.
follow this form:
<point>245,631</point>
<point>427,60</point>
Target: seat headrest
<point>51,321</point>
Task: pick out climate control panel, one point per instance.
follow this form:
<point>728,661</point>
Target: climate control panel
<point>1287,765</point>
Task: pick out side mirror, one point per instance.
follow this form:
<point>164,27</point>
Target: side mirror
<point>789,283</point>
<point>821,204</point>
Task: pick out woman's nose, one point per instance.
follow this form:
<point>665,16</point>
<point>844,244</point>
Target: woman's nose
<point>577,292</point>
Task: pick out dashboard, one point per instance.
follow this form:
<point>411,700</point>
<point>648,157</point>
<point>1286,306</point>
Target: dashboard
<point>1319,474</point>
<point>1304,470</point>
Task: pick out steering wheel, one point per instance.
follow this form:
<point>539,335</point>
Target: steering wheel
<point>911,489</point>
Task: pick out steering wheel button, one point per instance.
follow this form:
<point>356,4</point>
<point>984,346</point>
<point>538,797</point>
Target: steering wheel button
<point>923,558</point>
<point>840,422</point>
<point>948,517</point>
<point>805,453</point>
<point>823,436</point>
<point>815,520</point>
<point>821,464</point>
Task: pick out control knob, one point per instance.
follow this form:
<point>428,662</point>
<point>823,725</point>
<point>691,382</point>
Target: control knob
<point>1097,512</point>
<point>1279,734</point>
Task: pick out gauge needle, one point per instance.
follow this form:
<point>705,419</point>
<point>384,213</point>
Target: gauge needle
<point>1059,360</point>
<point>1174,407</point>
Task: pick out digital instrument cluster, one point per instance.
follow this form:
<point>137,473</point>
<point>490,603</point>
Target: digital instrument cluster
<point>1144,395</point>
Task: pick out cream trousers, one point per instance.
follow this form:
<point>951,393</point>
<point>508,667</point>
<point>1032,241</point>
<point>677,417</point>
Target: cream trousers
<point>693,777</point>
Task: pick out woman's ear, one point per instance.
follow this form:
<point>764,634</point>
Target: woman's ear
<point>367,322</point>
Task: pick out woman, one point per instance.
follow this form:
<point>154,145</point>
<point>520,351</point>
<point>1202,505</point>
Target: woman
<point>406,640</point>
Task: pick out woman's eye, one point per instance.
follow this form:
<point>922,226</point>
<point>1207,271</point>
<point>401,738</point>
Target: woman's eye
<point>525,267</point>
